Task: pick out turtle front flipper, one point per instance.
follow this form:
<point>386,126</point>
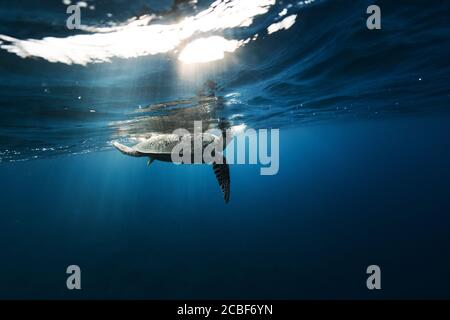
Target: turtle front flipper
<point>222,172</point>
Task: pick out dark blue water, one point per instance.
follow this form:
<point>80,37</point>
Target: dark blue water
<point>364,152</point>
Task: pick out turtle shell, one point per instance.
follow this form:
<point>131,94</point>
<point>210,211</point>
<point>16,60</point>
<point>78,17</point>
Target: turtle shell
<point>164,143</point>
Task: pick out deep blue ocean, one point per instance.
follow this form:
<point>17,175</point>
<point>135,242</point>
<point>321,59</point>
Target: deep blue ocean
<point>364,150</point>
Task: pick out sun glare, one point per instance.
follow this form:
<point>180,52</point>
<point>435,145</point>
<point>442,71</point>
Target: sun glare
<point>208,49</point>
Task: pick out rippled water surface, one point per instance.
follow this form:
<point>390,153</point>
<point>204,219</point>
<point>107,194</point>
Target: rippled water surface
<point>73,91</point>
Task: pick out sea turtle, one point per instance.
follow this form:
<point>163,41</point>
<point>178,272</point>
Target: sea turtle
<point>160,147</point>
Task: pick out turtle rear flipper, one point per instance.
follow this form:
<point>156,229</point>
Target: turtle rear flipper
<point>222,172</point>
<point>126,150</point>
